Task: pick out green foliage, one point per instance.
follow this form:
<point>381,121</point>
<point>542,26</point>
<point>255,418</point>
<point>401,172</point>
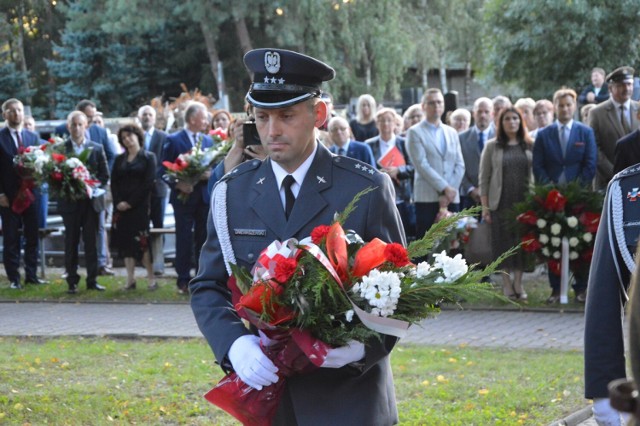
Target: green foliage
<point>14,83</point>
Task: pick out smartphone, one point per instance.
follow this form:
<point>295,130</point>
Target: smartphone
<point>250,133</point>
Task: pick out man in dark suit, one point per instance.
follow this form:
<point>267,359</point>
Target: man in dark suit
<point>13,138</point>
<point>154,140</point>
<point>596,92</point>
<point>401,175</point>
<point>613,119</point>
<point>81,216</point>
<point>339,132</point>
<point>190,215</point>
<point>471,144</point>
<point>563,152</point>
<point>316,184</point>
<point>627,152</point>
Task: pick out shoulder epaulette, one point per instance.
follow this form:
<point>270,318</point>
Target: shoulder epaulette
<point>629,171</point>
<point>241,169</point>
<point>355,166</point>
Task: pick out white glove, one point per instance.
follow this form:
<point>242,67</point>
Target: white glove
<point>604,413</point>
<point>250,363</point>
<point>339,357</point>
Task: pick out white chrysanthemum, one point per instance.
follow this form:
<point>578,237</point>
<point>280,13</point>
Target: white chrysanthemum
<point>422,269</point>
<point>545,251</point>
<point>452,267</point>
<point>556,228</point>
<point>541,223</point>
<point>556,255</point>
<point>573,255</point>
<point>573,242</point>
<point>543,238</point>
<point>572,221</point>
<point>381,290</point>
<point>38,153</point>
<point>73,162</point>
<point>555,241</point>
<point>349,315</point>
<point>39,163</point>
<point>588,237</point>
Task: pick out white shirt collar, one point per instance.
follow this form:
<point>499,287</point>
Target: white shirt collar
<point>568,125</point>
<point>627,104</point>
<point>150,131</point>
<point>299,174</point>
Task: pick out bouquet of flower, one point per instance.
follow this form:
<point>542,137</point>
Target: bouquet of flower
<point>68,177</point>
<point>221,144</point>
<point>29,164</point>
<point>551,213</point>
<point>332,288</point>
<point>190,166</point>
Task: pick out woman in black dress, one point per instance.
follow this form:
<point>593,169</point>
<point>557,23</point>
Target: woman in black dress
<point>132,181</point>
<point>363,126</point>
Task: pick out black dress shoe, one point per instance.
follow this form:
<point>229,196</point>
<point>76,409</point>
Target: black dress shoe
<point>15,285</point>
<point>96,287</point>
<point>36,281</point>
<point>72,289</point>
<point>105,271</point>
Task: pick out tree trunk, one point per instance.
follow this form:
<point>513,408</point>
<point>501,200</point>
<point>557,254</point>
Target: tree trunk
<point>443,74</point>
<point>467,83</point>
<point>22,62</point>
<point>212,51</point>
<point>243,36</point>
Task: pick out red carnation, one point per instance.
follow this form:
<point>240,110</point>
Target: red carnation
<point>51,141</point>
<point>396,254</point>
<point>58,158</point>
<point>285,268</point>
<point>319,233</point>
<point>555,201</point>
<point>590,221</point>
<point>528,217</point>
<point>220,133</point>
<point>530,243</point>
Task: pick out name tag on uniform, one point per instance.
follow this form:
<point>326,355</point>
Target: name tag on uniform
<point>250,232</point>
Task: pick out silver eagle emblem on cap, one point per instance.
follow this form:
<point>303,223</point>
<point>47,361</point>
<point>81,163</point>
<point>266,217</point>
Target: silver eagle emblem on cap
<point>272,62</point>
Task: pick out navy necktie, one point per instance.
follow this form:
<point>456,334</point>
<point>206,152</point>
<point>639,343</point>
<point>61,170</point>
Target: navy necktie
<point>289,198</point>
<point>341,151</point>
<point>480,141</point>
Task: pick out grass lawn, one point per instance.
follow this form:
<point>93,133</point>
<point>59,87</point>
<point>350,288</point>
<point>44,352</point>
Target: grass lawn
<point>103,381</point>
<point>535,284</point>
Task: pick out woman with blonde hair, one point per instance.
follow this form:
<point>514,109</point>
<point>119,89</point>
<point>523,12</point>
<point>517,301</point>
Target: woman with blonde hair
<point>363,126</point>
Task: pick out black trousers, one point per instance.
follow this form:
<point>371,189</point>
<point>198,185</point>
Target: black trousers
<point>11,225</point>
<point>82,220</point>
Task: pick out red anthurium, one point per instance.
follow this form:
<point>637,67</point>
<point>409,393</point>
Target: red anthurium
<point>590,221</point>
<point>370,256</point>
<point>337,251</point>
<point>528,217</point>
<point>530,243</point>
<point>555,201</point>
<point>58,158</point>
<point>259,295</point>
<point>554,267</point>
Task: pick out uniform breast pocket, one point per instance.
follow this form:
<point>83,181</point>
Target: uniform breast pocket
<point>247,250</point>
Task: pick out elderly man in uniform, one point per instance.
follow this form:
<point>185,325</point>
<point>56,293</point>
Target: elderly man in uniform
<point>298,186</point>
<point>609,276</point>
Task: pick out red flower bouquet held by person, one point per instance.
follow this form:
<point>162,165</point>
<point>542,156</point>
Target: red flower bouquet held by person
<point>67,176</point>
<point>29,165</point>
<point>307,297</point>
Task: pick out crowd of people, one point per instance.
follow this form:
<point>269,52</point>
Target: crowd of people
<point>486,157</point>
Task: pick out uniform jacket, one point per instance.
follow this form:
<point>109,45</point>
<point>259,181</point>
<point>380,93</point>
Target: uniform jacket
<point>434,170</point>
<point>175,144</point>
<point>405,173</point>
<point>341,396</point>
<point>609,277</point>
<point>605,122</point>
<point>601,97</point>
<point>156,145</point>
<point>627,151</point>
<point>359,151</point>
<point>97,165</point>
<point>491,172</point>
<point>9,179</point>
<point>471,155</point>
<point>579,162</point>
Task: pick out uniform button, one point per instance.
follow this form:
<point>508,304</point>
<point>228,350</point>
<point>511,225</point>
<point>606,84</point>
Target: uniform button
<point>250,255</point>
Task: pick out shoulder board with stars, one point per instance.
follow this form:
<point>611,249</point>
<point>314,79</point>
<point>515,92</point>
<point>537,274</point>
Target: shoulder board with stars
<point>629,171</point>
<point>241,169</point>
<point>355,166</point>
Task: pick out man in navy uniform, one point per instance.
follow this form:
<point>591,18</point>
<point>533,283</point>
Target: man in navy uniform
<point>609,276</point>
<point>298,186</point>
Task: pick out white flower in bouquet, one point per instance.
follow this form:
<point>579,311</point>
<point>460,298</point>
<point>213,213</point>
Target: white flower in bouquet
<point>556,228</point>
<point>40,161</point>
<point>422,269</point>
<point>349,315</point>
<point>556,255</point>
<point>587,237</point>
<point>573,241</point>
<point>73,162</point>
<point>543,238</point>
<point>573,255</point>
<point>452,267</point>
<point>541,223</point>
<point>545,251</point>
<point>572,221</point>
<point>555,241</point>
<point>381,290</point>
